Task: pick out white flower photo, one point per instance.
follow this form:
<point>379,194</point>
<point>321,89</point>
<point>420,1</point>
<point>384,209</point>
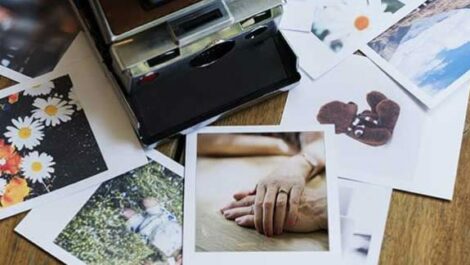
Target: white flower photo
<point>40,89</point>
<point>52,111</point>
<point>26,133</point>
<point>341,23</point>
<point>74,100</point>
<point>37,167</point>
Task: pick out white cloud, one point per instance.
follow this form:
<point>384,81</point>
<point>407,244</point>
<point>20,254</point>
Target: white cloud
<point>418,56</point>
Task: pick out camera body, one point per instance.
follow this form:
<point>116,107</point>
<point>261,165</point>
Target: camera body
<point>181,64</point>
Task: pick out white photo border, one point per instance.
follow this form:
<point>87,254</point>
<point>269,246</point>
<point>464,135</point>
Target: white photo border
<point>329,59</point>
<point>190,256</point>
<point>96,113</point>
<point>43,224</point>
<point>428,100</point>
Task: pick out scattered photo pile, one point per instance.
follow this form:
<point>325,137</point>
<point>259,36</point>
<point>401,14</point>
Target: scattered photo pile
<point>363,120</point>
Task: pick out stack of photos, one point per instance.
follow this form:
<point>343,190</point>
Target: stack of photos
<point>254,191</point>
<point>376,121</point>
<point>324,33</point>
<point>37,36</point>
<point>97,229</point>
<point>56,137</point>
<point>415,53</point>
<point>300,192</point>
<point>135,218</point>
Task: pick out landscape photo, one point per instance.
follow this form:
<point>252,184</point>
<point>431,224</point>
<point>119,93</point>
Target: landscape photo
<point>426,46</point>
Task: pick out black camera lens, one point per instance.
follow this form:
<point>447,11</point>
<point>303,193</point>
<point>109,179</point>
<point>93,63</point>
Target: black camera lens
<point>150,4</point>
<point>212,54</point>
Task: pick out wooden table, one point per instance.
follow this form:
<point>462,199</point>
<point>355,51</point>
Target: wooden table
<point>419,230</point>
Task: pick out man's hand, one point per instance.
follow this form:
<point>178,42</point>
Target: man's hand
<point>311,213</point>
<point>283,186</point>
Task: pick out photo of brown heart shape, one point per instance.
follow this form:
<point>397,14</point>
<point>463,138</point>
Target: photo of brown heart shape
<point>373,127</point>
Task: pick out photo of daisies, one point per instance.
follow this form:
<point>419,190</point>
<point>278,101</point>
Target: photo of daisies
<point>35,126</point>
<point>341,23</point>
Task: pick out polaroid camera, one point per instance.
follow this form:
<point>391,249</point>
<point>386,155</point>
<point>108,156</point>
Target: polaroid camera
<point>182,64</point>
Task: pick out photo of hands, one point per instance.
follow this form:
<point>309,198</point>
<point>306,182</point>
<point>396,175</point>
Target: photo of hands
<point>260,189</point>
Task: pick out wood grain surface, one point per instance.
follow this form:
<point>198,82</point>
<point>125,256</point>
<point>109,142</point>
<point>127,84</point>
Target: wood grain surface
<point>419,230</point>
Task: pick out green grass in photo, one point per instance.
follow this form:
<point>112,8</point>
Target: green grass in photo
<point>98,233</point>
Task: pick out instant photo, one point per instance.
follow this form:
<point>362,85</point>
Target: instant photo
<point>326,32</point>
<point>37,36</point>
<point>259,192</point>
<point>362,232</point>
<point>35,126</point>
<point>425,52</point>
<point>380,130</point>
<point>135,218</point>
<point>61,133</point>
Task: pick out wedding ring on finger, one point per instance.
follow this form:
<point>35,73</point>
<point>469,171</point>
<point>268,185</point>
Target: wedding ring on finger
<point>283,190</point>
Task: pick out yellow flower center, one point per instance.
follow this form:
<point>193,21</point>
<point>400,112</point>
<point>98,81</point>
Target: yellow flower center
<point>24,133</point>
<point>36,166</point>
<point>51,110</point>
<point>361,23</point>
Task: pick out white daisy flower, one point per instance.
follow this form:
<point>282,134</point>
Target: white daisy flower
<point>342,23</point>
<point>74,100</point>
<point>52,111</point>
<point>3,184</point>
<point>26,133</point>
<point>37,167</point>
<point>41,89</point>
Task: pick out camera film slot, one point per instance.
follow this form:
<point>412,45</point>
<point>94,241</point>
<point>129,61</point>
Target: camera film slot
<point>256,19</point>
<point>163,58</point>
<point>209,18</point>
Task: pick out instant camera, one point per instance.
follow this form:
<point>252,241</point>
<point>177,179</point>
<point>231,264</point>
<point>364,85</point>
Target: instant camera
<point>182,64</point>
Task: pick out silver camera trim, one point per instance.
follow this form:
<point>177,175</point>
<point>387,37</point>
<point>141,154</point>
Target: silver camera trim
<point>110,37</point>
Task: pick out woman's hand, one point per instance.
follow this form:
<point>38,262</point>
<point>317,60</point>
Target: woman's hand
<point>280,188</point>
<point>311,213</point>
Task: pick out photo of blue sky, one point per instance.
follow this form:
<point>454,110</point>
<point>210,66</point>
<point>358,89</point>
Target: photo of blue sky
<point>427,47</point>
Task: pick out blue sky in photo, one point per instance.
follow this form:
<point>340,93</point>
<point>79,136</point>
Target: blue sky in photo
<point>457,63</point>
<point>433,52</point>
